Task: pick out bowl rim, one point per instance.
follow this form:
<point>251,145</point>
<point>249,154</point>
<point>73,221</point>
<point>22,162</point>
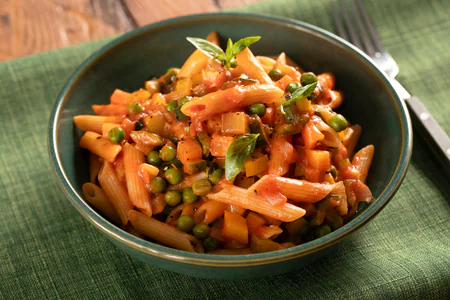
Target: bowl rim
<point>200,259</point>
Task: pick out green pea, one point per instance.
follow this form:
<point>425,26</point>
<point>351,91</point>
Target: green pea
<point>173,176</point>
<point>216,175</point>
<point>158,185</point>
<point>308,78</point>
<point>338,123</point>
<point>172,105</point>
<point>138,125</point>
<point>202,187</point>
<point>189,196</point>
<point>275,74</point>
<point>154,159</point>
<point>201,231</point>
<point>173,198</point>
<point>185,223</point>
<point>210,243</point>
<point>257,109</point>
<point>135,108</point>
<point>167,153</point>
<point>321,231</point>
<point>116,134</point>
<point>293,86</point>
<point>184,100</point>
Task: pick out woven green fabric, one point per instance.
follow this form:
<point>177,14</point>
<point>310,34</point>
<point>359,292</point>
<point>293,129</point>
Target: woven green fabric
<point>47,250</point>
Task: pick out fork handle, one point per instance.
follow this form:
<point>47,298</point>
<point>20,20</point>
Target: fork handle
<point>427,126</point>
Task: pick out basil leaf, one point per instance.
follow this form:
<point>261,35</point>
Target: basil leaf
<point>239,151</point>
<point>228,53</point>
<point>300,93</point>
<point>208,48</point>
<point>244,43</point>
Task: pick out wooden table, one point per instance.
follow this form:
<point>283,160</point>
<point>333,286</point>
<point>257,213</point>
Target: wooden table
<point>32,26</point>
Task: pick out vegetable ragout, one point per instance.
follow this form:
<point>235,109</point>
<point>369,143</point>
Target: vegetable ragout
<point>231,154</point>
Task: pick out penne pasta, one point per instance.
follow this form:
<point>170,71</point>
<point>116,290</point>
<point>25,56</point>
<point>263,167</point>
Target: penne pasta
<point>115,191</point>
<point>240,197</point>
<point>339,192</point>
<point>266,63</point>
<point>164,233</point>
<point>209,212</point>
<point>136,188</point>
<point>247,61</point>
<point>96,197</point>
<point>106,127</point>
<point>295,189</point>
<point>95,123</point>
<point>94,167</point>
<point>194,64</point>
<point>100,146</point>
<point>213,37</point>
<point>350,138</point>
<point>224,101</point>
<point>362,161</point>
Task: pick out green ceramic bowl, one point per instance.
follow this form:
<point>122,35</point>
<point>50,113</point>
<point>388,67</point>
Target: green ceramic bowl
<point>132,58</point>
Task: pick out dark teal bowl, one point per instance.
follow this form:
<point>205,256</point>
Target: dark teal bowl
<point>132,58</point>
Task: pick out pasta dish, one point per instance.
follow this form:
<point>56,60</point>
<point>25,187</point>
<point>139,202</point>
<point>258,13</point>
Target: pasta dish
<point>230,154</point>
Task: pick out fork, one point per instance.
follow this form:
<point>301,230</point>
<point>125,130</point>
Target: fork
<point>366,39</point>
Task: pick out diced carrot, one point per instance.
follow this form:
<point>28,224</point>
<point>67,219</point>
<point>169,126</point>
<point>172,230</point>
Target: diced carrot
<point>120,97</point>
<point>318,159</point>
<point>256,165</point>
<point>234,123</point>
<point>179,129</point>
<point>269,117</point>
<point>311,135</point>
<point>303,105</point>
<point>235,227</point>
<point>254,220</point>
<point>213,80</point>
<point>283,82</point>
<point>268,232</point>
<point>110,110</point>
<point>189,150</point>
<point>220,144</point>
<point>214,124</point>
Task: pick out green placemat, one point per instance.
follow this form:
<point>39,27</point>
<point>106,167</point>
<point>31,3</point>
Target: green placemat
<point>47,250</point>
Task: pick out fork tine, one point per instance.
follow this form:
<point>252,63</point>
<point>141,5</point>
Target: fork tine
<point>368,46</point>
<point>337,22</point>
<point>353,35</point>
<point>368,23</point>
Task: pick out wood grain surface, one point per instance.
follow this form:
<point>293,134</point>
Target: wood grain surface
<point>33,26</point>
